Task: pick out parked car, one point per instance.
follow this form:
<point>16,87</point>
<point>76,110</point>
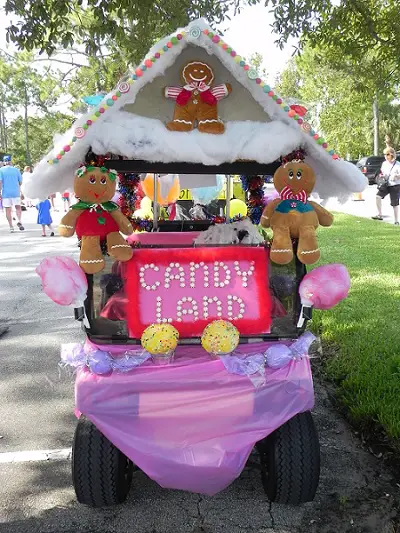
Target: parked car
<point>370,166</point>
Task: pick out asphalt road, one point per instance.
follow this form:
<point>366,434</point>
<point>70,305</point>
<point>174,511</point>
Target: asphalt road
<point>356,492</point>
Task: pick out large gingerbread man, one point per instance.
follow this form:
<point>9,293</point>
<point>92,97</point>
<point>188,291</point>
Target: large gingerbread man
<point>293,216</point>
<point>197,101</point>
<point>95,218</point>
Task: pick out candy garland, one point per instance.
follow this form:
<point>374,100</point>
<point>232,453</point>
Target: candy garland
<point>130,199</point>
<point>194,33</point>
<point>253,187</point>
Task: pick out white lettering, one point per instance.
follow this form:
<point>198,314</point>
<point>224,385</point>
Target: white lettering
<point>244,275</point>
<point>217,278</point>
<point>179,276</point>
<point>142,279</point>
<point>207,301</point>
<point>232,300</point>
<point>193,268</point>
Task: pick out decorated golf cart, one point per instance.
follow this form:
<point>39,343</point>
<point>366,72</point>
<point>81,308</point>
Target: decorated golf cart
<point>196,350</point>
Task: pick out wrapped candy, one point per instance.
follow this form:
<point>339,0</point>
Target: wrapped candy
<point>160,339</point>
<point>220,338</point>
<point>280,355</point>
<point>99,362</point>
<point>63,280</point>
<point>325,286</point>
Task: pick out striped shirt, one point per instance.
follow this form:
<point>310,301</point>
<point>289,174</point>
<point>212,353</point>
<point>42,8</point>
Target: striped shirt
<point>219,91</point>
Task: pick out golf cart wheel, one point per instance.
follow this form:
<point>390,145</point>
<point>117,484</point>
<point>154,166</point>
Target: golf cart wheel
<point>101,474</point>
<point>290,461</point>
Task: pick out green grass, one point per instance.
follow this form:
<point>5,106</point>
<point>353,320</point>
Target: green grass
<point>364,329</point>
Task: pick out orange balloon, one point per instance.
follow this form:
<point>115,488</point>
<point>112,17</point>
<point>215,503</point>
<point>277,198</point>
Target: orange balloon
<point>173,193</point>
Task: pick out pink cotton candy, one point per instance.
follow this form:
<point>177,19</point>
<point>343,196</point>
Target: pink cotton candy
<point>63,280</point>
<point>325,286</point>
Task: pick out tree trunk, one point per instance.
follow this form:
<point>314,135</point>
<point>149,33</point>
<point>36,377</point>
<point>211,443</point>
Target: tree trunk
<point>375,108</point>
<point>28,153</point>
<point>3,125</point>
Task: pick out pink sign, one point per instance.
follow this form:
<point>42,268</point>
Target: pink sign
<point>191,287</point>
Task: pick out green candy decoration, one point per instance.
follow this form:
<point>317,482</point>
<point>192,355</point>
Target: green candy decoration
<point>101,220</point>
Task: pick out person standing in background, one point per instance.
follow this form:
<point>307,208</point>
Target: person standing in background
<point>66,200</point>
<point>44,216</point>
<point>26,173</point>
<point>10,191</point>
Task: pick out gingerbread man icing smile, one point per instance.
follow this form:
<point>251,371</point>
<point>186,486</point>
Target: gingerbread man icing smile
<point>197,100</point>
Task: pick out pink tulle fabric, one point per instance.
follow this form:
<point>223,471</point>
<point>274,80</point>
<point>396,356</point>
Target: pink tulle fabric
<point>192,425</point>
<point>325,286</point>
<point>63,280</point>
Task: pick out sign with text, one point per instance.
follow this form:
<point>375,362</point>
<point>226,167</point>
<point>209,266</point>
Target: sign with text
<point>191,287</point>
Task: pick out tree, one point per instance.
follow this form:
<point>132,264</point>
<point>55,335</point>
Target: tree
<point>128,25</point>
<point>339,103</point>
<point>352,29</point>
<point>22,89</point>
<point>41,131</point>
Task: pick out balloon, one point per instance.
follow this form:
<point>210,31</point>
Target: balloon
<point>63,280</point>
<point>171,193</point>
<point>325,286</point>
<point>143,213</point>
<point>220,337</point>
<point>146,204</point>
<point>272,195</point>
<point>237,208</point>
<point>205,195</point>
<point>160,338</point>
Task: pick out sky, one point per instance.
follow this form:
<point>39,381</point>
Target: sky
<point>247,33</point>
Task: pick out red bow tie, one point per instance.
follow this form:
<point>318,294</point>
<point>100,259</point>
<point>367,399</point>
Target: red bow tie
<point>288,194</point>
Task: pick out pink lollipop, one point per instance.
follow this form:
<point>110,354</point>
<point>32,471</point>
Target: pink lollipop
<point>325,286</point>
<point>63,280</point>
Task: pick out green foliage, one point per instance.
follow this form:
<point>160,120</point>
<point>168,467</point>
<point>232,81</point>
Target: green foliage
<point>41,133</point>
<point>352,29</point>
<point>339,101</point>
<point>131,26</point>
<point>366,365</point>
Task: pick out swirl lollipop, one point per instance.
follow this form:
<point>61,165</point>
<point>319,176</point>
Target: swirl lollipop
<point>220,338</point>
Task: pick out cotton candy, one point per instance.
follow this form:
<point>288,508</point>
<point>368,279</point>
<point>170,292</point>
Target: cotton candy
<point>63,280</point>
<point>325,286</point>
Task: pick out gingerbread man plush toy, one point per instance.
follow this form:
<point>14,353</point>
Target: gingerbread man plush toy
<point>293,216</point>
<point>95,218</point>
<point>197,100</point>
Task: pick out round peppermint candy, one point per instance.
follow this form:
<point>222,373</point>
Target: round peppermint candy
<point>124,87</point>
<point>306,127</point>
<point>194,32</point>
<point>79,132</point>
<point>252,74</point>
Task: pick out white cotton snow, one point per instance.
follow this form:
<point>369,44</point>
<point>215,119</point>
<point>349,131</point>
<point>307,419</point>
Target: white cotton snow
<point>136,137</point>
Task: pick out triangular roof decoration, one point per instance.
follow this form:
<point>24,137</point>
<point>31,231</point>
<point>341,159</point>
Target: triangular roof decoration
<point>110,129</point>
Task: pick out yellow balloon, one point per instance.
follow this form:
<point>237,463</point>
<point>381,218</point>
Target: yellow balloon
<point>220,337</point>
<point>170,198</point>
<point>143,213</point>
<point>146,204</point>
<point>160,338</point>
<point>237,208</point>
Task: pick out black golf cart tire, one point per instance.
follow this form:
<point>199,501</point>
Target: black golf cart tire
<point>101,473</point>
<point>290,461</point>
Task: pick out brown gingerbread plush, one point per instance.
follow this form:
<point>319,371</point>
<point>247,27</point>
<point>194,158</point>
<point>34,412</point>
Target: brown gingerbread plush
<point>293,216</point>
<point>197,100</point>
<point>95,218</point>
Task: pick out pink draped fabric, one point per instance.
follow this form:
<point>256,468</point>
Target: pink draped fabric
<point>191,425</point>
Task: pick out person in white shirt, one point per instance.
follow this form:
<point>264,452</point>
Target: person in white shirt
<point>26,173</point>
<point>389,183</point>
